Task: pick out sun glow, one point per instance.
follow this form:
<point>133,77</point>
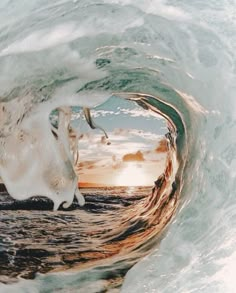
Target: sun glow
<point>132,175</point>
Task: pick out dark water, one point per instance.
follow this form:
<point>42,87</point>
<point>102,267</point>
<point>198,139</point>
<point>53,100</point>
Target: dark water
<point>107,230</point>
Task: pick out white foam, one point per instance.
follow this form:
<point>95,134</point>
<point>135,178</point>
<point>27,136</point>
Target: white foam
<point>64,33</point>
<point>157,7</point>
<point>45,38</point>
<point>32,160</point>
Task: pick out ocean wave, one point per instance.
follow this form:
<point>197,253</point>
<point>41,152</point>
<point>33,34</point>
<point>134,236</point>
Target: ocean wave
<point>118,67</point>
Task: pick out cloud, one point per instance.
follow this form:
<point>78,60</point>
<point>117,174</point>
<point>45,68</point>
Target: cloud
<point>136,157</point>
<point>137,112</point>
<point>86,165</point>
<point>123,133</point>
<point>102,113</point>
<point>162,146</point>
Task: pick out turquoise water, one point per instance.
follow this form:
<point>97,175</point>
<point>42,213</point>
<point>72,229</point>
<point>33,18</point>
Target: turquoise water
<point>181,52</point>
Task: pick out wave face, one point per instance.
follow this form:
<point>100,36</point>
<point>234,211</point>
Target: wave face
<point>137,60</point>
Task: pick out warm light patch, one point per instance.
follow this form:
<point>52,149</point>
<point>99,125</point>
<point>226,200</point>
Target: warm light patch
<point>132,175</point>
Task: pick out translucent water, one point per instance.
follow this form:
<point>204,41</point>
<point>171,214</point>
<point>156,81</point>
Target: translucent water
<point>79,53</point>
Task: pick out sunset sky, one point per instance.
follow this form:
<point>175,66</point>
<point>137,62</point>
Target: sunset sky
<point>137,151</point>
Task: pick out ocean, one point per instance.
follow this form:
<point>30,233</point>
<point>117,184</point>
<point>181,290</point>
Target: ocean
<point>117,92</point>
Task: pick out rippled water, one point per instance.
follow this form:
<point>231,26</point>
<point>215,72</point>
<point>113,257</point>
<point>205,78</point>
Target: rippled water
<point>172,58</point>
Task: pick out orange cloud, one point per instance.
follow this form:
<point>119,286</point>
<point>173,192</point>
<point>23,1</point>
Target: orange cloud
<point>86,164</point>
<point>162,147</point>
<point>133,157</point>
